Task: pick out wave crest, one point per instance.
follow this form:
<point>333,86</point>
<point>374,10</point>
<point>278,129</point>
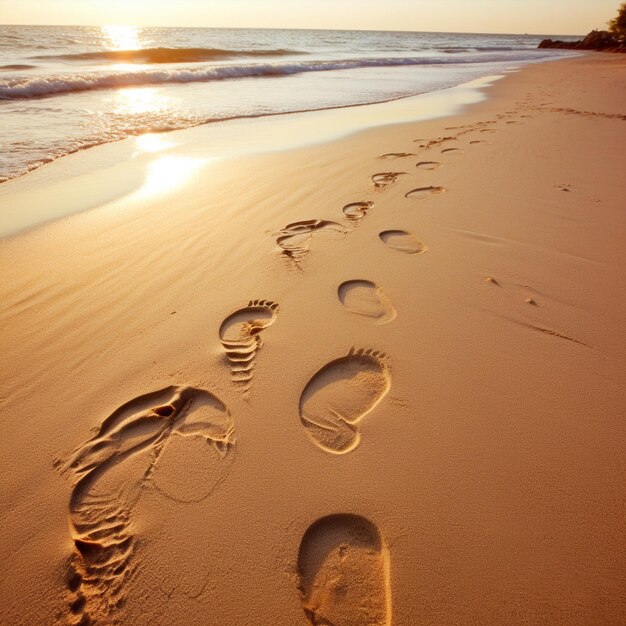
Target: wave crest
<point>167,55</point>
<point>42,86</point>
<point>15,67</point>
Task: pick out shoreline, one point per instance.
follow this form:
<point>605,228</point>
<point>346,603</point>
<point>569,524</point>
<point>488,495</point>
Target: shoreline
<point>489,458</point>
<point>378,113</point>
<point>229,139</point>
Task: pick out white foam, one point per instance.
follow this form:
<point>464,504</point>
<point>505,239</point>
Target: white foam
<point>39,86</point>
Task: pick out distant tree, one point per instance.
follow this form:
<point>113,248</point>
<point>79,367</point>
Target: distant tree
<point>617,26</point>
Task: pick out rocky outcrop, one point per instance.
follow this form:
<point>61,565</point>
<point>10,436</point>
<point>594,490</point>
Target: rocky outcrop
<point>596,40</point>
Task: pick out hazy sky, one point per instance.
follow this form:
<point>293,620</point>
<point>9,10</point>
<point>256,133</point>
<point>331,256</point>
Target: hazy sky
<point>501,16</point>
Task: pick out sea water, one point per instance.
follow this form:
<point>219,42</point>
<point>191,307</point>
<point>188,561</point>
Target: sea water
<point>66,88</point>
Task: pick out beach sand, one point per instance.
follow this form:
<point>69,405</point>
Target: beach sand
<point>378,380</point>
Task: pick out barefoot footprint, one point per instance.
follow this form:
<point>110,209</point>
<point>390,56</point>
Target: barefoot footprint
<point>240,336</point>
<point>396,155</point>
<point>366,299</point>
<point>428,165</point>
<point>111,471</point>
<point>343,573</point>
<point>424,192</point>
<point>295,238</point>
<point>402,241</point>
<point>356,211</point>
<point>340,395</point>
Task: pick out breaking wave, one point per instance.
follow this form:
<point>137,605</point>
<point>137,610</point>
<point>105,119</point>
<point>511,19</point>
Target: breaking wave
<point>167,55</point>
<point>41,86</point>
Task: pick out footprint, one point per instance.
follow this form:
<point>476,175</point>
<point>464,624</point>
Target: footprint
<point>357,210</point>
<point>477,141</point>
<point>396,155</point>
<point>428,165</point>
<point>384,179</point>
<point>111,471</point>
<point>340,395</point>
<point>365,298</point>
<point>424,192</point>
<point>452,151</point>
<point>489,130</point>
<point>344,574</point>
<point>295,238</point>
<point>240,336</point>
<point>402,241</point>
<point>440,140</point>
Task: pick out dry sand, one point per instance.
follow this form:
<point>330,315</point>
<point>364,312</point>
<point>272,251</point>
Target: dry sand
<point>375,381</point>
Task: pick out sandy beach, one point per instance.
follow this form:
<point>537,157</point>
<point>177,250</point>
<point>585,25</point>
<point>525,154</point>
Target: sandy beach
<point>374,380</point>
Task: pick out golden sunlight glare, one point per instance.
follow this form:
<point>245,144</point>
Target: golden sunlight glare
<point>168,173</point>
<point>152,142</point>
<point>122,37</point>
<point>136,100</point>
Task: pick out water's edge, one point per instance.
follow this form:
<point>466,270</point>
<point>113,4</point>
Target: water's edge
<point>133,162</point>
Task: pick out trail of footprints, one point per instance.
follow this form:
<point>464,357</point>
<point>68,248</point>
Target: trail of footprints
<point>343,562</point>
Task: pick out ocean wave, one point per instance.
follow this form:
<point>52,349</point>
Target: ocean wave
<point>452,49</point>
<point>42,86</point>
<point>504,48</point>
<point>167,55</point>
<point>15,67</point>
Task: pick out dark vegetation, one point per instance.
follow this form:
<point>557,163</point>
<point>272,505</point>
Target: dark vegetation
<point>612,40</point>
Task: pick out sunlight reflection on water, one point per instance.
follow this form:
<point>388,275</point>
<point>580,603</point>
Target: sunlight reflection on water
<point>121,37</point>
<point>134,100</point>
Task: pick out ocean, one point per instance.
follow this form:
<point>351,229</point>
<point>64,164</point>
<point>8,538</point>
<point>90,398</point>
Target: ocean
<point>66,88</point>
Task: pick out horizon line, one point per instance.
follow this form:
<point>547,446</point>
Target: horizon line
<point>365,30</point>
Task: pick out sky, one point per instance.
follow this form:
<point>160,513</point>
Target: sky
<point>566,17</point>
